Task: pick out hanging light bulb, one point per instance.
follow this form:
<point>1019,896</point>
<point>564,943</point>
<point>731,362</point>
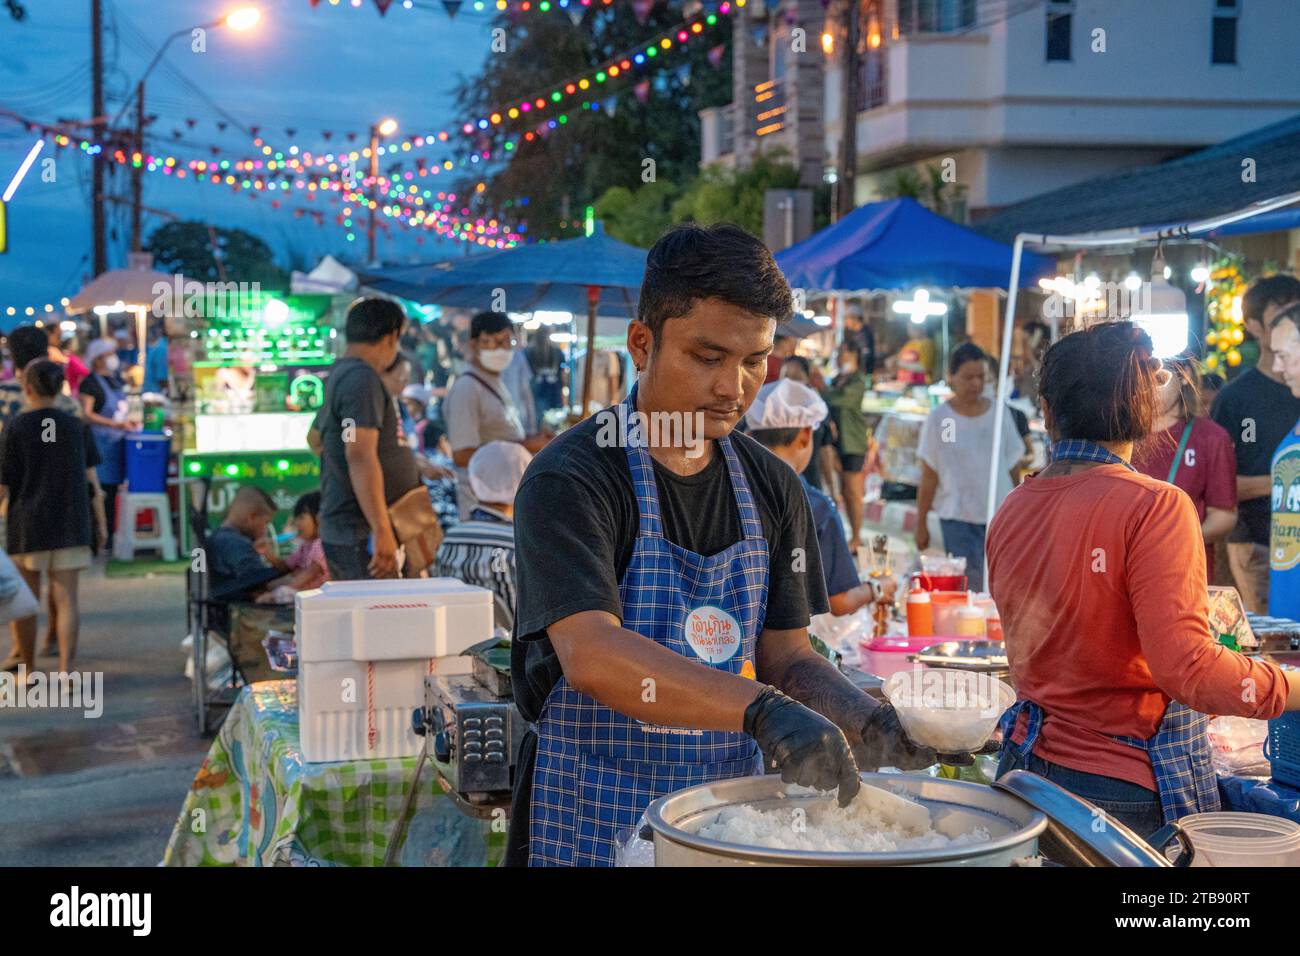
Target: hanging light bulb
<point>1163,315</point>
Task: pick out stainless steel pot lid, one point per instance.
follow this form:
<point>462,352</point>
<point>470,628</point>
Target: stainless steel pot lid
<point>1074,835</point>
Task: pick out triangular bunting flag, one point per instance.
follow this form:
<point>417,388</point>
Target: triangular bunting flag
<point>715,54</point>
<point>641,10</point>
<point>642,90</point>
<point>451,6</point>
<point>383,6</point>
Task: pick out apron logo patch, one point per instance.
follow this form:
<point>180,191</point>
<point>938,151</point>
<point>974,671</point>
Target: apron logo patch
<point>713,634</point>
<point>1286,511</point>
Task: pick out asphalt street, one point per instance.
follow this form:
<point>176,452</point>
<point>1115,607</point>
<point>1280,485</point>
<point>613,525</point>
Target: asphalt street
<point>105,790</point>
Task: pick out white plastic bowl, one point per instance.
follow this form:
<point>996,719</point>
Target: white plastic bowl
<point>950,710</point>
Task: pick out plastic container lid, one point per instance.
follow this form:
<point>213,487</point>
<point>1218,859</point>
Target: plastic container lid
<point>918,596</point>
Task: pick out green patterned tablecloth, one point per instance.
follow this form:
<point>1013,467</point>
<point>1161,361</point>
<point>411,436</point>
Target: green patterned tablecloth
<point>256,802</point>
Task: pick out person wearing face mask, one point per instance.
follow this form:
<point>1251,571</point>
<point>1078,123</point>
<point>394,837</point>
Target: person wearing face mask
<point>103,407</point>
<point>478,407</point>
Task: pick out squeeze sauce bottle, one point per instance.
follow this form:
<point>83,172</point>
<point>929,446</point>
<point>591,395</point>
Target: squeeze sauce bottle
<point>920,613</point>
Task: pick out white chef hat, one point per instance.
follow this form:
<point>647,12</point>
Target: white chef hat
<point>785,404</point>
<point>496,469</point>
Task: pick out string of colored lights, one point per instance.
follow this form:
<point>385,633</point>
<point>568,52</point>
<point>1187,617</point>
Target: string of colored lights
<point>31,311</point>
<point>631,60</point>
<point>489,6</point>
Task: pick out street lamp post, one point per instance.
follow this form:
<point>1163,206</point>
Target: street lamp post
<point>383,128</point>
<point>240,20</point>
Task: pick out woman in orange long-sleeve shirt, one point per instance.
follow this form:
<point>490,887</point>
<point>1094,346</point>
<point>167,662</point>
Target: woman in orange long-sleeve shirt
<point>1099,574</point>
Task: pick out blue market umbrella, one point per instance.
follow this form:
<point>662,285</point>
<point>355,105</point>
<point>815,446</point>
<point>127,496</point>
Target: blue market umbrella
<point>899,244</point>
<point>596,274</point>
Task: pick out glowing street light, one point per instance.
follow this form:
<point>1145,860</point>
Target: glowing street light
<point>245,18</point>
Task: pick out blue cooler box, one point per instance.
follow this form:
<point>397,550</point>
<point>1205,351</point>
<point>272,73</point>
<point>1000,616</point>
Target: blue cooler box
<point>146,462</point>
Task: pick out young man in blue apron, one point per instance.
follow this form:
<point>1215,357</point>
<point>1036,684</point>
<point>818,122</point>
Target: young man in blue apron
<point>667,570</point>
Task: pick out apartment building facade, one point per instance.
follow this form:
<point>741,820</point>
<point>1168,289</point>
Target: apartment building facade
<point>1001,100</point>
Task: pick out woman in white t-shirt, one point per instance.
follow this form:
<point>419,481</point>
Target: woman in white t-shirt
<point>956,441</point>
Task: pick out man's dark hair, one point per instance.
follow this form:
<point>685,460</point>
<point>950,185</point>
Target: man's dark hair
<point>489,322</point>
<point>692,262</point>
<point>373,319</point>
<point>308,504</point>
<point>1280,289</point>
<point>433,432</point>
<point>966,352</point>
<point>27,343</point>
<point>44,377</point>
<point>799,360</point>
<point>1100,383</point>
<point>1291,315</point>
<point>775,437</point>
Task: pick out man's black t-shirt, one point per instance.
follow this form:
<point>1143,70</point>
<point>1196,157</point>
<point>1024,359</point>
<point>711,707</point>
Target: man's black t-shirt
<point>44,454</point>
<point>576,522</point>
<point>1257,412</point>
<point>355,396</point>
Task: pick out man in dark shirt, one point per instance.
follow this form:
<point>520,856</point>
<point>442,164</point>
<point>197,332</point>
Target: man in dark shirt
<point>364,466</point>
<point>1257,410</point>
<point>667,570</point>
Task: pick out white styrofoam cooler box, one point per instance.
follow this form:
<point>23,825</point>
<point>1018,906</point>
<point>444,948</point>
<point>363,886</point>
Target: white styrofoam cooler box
<point>364,649</point>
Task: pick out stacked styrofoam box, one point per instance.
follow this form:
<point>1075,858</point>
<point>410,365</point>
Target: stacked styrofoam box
<point>364,649</point>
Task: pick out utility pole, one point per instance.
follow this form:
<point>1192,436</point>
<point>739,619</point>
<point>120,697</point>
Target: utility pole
<point>137,169</point>
<point>370,194</point>
<point>100,256</point>
<point>848,159</point>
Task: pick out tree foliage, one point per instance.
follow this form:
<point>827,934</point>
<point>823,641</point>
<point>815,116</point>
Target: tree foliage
<point>187,248</point>
<point>547,182</point>
<point>717,194</point>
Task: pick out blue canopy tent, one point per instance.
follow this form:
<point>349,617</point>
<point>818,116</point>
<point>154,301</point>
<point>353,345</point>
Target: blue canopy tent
<point>595,274</point>
<point>899,244</point>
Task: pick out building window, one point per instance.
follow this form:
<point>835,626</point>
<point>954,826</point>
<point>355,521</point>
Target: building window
<point>935,16</point>
<point>1223,35</point>
<point>1060,13</point>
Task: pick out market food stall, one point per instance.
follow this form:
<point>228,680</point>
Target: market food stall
<point>258,365</point>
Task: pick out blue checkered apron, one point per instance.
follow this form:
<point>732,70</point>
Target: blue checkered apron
<point>1179,752</point>
<point>597,770</point>
<point>1180,748</point>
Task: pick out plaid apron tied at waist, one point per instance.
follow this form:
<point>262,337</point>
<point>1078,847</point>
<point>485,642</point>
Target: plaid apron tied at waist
<point>1179,753</point>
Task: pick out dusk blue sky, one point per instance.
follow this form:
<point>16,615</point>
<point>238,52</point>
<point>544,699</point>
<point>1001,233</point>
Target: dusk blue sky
<point>332,68</point>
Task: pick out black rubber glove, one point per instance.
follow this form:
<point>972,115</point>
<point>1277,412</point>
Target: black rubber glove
<point>807,748</point>
<point>885,745</point>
